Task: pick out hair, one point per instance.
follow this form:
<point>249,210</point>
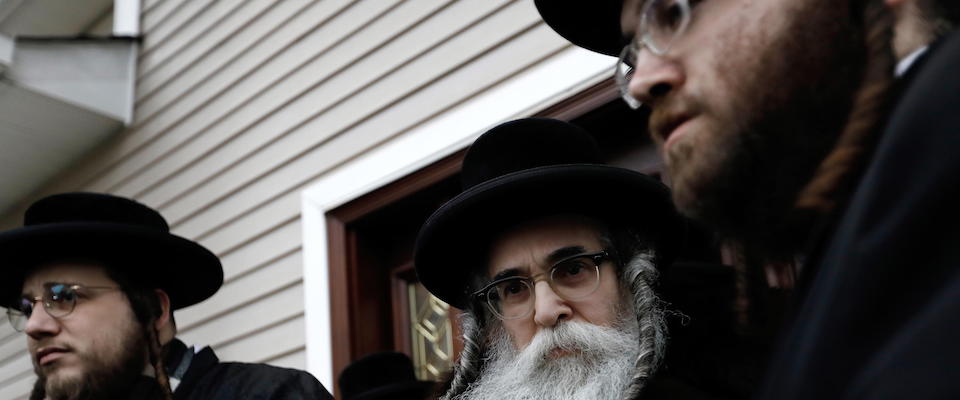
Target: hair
<point>834,180</point>
<point>146,307</point>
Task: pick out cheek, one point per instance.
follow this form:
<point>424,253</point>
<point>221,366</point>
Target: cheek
<point>521,331</point>
<point>602,309</point>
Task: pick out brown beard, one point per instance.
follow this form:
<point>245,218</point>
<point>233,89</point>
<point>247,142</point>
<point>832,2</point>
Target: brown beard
<point>787,115</point>
<point>102,379</point>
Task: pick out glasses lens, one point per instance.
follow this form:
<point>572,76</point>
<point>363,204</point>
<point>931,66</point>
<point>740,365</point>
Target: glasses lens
<point>662,21</point>
<point>59,299</point>
<point>18,318</point>
<point>511,299</point>
<point>575,278</point>
<point>624,73</point>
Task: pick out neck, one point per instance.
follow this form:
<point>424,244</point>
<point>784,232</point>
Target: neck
<point>912,29</point>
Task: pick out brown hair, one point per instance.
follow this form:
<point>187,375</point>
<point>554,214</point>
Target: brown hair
<point>834,180</point>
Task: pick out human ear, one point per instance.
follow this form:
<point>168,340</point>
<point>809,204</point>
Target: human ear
<point>164,320</point>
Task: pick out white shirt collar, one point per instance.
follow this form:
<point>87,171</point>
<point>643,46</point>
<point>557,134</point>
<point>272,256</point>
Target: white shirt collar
<point>904,65</point>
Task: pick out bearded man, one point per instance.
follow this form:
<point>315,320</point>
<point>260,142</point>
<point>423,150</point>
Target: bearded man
<point>552,257</point>
<point>819,131</point>
<point>93,279</point>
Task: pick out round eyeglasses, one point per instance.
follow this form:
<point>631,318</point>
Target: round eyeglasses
<point>59,300</point>
<point>572,278</point>
<point>661,22</point>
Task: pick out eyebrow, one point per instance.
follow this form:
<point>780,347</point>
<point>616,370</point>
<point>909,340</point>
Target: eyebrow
<point>50,283</point>
<point>553,257</point>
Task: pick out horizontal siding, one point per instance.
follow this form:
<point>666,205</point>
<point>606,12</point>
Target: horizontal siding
<point>241,105</point>
<point>241,54</point>
<point>229,19</point>
<point>296,358</point>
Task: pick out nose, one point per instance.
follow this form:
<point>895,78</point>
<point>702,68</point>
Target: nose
<point>550,308</point>
<point>654,77</point>
<point>41,324</point>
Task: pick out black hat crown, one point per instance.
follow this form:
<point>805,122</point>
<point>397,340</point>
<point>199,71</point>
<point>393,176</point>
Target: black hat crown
<point>525,144</point>
<point>93,207</point>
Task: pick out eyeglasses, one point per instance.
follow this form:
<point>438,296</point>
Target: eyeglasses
<point>59,300</point>
<point>572,278</point>
<point>661,22</point>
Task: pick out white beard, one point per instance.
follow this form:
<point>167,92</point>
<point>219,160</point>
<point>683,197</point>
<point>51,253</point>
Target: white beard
<point>600,365</point>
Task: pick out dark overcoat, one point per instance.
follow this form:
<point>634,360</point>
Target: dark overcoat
<point>880,317</point>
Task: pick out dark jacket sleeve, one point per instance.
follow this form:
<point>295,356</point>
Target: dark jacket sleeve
<point>209,379</point>
<point>300,385</point>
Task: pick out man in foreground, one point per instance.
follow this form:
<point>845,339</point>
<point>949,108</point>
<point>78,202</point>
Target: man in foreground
<point>819,131</point>
<point>93,281</point>
<point>552,256</point>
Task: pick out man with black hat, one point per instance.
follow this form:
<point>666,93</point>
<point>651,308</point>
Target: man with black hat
<point>93,281</point>
<point>822,131</point>
<point>552,256</point>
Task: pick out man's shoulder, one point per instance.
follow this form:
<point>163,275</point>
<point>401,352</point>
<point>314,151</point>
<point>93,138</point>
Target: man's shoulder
<point>258,381</point>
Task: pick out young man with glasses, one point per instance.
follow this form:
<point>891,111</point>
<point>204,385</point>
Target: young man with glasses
<point>552,256</point>
<point>822,132</point>
<point>93,280</point>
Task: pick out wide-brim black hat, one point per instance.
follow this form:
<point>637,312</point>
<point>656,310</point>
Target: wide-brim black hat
<point>593,25</point>
<point>531,168</point>
<point>121,233</point>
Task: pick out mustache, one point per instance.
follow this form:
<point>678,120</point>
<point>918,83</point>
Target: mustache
<point>669,114</point>
<point>588,342</point>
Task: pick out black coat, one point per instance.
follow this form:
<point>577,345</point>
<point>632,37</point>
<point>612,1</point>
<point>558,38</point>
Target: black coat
<point>209,379</point>
<point>880,317</point>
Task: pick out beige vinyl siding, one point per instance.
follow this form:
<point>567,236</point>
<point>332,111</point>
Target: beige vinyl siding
<point>242,104</point>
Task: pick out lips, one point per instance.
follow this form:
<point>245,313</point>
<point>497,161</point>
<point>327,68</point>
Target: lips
<point>48,355</point>
<point>664,126</point>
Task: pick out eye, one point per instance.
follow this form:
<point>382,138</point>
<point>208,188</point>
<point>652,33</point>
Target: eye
<point>60,293</point>
<point>513,291</point>
<point>670,15</point>
<point>573,272</point>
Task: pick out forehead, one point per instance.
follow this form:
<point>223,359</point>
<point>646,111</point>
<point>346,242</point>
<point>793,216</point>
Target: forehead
<point>630,15</point>
<point>89,274</point>
<point>529,244</point>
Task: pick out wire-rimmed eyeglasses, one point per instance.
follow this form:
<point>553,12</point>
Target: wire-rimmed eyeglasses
<point>572,278</point>
<point>661,22</point>
<point>59,300</point>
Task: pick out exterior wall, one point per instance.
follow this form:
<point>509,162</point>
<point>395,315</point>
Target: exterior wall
<point>244,105</point>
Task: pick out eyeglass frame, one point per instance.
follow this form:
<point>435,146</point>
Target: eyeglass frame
<point>642,40</point>
<point>48,304</point>
<point>597,257</point>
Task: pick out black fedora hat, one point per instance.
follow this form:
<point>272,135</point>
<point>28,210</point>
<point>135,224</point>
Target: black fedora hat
<point>384,375</point>
<point>593,25</point>
<point>121,233</point>
<point>532,168</point>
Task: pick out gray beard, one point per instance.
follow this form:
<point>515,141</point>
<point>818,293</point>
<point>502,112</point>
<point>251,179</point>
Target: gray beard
<point>601,365</point>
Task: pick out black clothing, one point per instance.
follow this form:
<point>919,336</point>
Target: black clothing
<point>209,379</point>
<point>880,316</point>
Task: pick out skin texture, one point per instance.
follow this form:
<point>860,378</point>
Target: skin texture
<point>526,247</point>
<point>746,103</point>
<point>102,345</point>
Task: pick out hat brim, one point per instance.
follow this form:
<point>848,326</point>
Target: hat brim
<point>461,229</point>
<point>593,25</point>
<point>186,271</point>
